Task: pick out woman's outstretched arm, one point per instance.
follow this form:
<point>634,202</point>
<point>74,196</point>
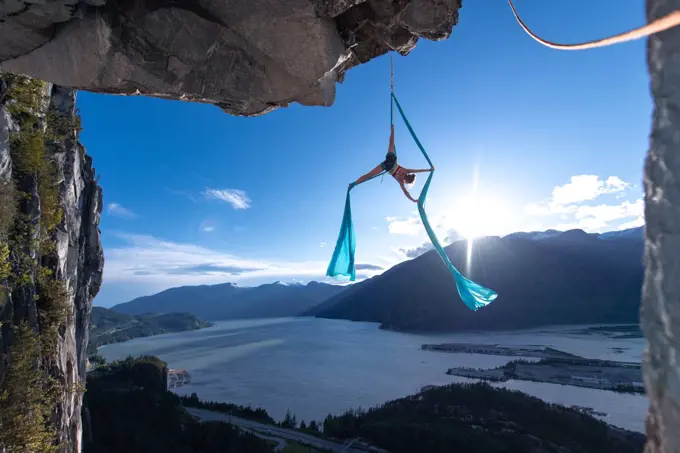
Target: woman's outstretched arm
<point>407,193</point>
<point>421,170</point>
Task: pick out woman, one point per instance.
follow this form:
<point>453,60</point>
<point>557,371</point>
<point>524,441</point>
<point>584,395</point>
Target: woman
<point>404,176</point>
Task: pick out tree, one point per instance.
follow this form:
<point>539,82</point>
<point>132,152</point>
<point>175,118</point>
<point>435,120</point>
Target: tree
<point>289,421</point>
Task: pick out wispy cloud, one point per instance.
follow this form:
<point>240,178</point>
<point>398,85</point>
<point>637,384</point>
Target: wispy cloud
<point>207,226</point>
<point>117,210</point>
<point>368,267</point>
<point>322,245</point>
<point>144,265</point>
<point>238,199</point>
<point>183,193</point>
<point>425,246</point>
<point>415,251</point>
<point>146,259</point>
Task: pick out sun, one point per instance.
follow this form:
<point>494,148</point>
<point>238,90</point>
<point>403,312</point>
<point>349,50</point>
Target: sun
<point>477,215</point>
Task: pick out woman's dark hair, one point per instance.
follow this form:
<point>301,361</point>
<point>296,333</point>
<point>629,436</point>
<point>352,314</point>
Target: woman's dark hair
<point>410,178</point>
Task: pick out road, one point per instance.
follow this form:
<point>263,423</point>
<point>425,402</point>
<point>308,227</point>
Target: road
<point>280,443</point>
<point>278,432</point>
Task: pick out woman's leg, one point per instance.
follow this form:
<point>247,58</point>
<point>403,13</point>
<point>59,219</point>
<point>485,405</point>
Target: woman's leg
<point>376,171</point>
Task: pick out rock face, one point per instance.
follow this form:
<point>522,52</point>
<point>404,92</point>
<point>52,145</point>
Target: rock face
<point>246,56</point>
<point>661,291</point>
<point>73,261</point>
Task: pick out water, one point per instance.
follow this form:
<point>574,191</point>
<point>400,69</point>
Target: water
<point>315,366</point>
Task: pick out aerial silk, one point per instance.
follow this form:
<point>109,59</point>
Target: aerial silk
<point>342,263</point>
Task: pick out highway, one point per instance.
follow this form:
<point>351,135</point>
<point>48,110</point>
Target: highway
<point>276,432</point>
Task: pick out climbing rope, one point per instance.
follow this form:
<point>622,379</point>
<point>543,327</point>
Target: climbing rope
<point>664,23</point>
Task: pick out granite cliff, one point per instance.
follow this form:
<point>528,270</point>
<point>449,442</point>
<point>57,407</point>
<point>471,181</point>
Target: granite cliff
<point>51,264</point>
<point>660,313</point>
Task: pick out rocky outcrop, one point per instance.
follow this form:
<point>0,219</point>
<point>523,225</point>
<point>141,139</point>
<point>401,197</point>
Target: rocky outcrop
<point>246,56</point>
<point>54,273</point>
<point>661,291</point>
<point>81,259</point>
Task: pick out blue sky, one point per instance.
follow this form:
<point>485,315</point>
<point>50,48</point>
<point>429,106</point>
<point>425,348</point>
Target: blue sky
<point>523,138</point>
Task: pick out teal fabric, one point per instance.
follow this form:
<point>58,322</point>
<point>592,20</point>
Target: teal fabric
<point>473,294</point>
<point>342,261</point>
<point>342,264</point>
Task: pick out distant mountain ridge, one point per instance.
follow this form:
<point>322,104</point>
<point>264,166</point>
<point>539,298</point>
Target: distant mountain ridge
<point>229,301</point>
<point>545,278</point>
<point>632,233</point>
<point>108,326</point>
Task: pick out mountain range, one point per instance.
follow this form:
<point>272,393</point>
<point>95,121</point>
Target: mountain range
<point>544,278</point>
<point>229,301</point>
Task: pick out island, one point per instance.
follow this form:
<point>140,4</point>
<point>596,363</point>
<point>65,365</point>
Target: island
<point>494,349</point>
<point>623,377</point>
<point>554,367</point>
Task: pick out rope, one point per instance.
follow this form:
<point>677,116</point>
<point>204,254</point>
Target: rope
<point>668,21</point>
<point>391,91</point>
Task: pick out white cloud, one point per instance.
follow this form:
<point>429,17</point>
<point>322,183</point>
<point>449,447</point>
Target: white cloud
<point>586,188</point>
<point>579,189</point>
<point>207,226</point>
<point>605,217</point>
<point>640,221</point>
<point>569,205</point>
<point>146,261</point>
<point>409,226</point>
<point>323,244</point>
<point>117,210</point>
<point>238,199</point>
<point>415,251</point>
<point>608,213</point>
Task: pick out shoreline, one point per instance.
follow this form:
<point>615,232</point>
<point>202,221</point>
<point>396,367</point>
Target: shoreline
<point>587,329</point>
<point>541,352</point>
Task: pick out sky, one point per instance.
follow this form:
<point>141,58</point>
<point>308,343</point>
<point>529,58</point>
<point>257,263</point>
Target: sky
<point>524,138</point>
